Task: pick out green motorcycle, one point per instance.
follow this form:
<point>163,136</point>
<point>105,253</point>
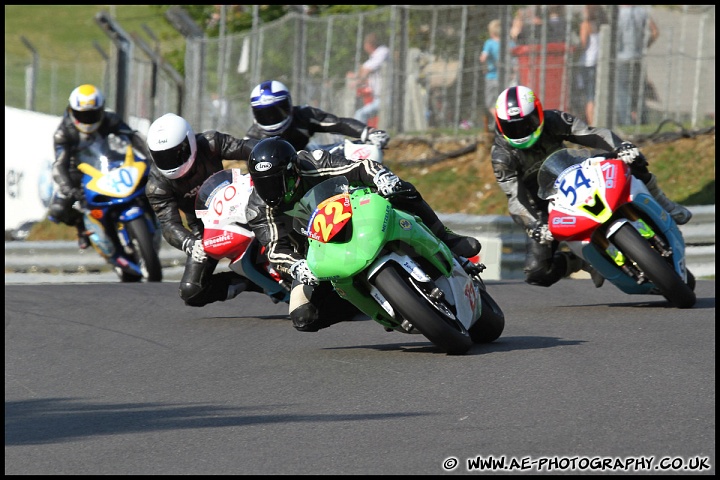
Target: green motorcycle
<point>390,265</point>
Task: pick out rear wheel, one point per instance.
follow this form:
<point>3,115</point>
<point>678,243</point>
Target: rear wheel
<point>654,266</point>
<point>430,316</point>
<point>147,256</point>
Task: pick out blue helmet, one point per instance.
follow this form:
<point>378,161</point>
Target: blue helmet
<point>271,106</point>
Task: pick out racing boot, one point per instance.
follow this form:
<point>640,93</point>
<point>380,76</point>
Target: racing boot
<point>460,245</point>
<point>83,236</point>
<point>680,214</point>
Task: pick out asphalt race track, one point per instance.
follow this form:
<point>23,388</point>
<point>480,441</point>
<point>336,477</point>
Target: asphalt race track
<point>110,378</point>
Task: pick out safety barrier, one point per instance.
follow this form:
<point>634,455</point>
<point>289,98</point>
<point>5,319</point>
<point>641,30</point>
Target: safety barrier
<point>503,242</point>
<point>503,251</point>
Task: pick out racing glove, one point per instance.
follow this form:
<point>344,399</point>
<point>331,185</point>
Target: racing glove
<point>387,182</point>
<point>379,138</point>
<point>628,153</point>
<point>73,192</point>
<point>195,249</point>
<point>302,273</point>
<point>541,234</point>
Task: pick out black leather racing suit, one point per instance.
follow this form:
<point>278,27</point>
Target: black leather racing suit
<point>168,198</point>
<point>516,173</point>
<point>307,121</point>
<point>67,140</point>
<point>313,308</point>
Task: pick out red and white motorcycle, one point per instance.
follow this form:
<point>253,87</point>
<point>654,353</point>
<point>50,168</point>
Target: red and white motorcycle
<point>221,205</point>
<point>608,217</point>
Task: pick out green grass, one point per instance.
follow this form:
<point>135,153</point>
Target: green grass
<point>67,40</point>
<point>66,32</point>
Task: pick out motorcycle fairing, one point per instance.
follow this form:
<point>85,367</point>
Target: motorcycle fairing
<point>329,218</point>
<point>119,182</point>
<point>585,198</point>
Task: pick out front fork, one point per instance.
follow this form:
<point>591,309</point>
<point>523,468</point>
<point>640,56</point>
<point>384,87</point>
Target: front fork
<point>599,238</point>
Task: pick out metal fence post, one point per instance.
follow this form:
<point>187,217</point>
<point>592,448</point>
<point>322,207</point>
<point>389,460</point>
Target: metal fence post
<point>123,43</point>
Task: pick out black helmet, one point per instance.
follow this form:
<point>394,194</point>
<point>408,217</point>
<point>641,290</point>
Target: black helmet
<point>272,166</point>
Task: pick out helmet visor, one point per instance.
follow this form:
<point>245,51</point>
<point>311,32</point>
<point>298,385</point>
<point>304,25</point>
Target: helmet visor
<point>172,158</point>
<point>88,116</point>
<point>272,114</point>
<point>271,188</point>
<point>518,129</point>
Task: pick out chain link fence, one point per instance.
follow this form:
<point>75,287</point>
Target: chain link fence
<point>433,80</point>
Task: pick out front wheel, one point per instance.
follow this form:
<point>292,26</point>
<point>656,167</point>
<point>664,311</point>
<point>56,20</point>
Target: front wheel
<point>654,266</point>
<point>433,320</point>
<point>142,243</point>
<point>491,323</point>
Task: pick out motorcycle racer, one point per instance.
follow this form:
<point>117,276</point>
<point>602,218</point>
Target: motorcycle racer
<point>525,135</point>
<point>182,161</point>
<point>84,117</point>
<point>275,116</point>
<point>281,176</point>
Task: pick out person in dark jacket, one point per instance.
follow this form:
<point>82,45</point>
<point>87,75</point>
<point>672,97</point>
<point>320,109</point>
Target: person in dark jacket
<point>181,162</point>
<point>281,176</point>
<point>84,117</point>
<point>525,136</point>
<point>275,116</point>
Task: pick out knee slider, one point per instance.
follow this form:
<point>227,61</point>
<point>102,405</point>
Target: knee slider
<point>538,273</point>
<point>191,294</point>
<point>61,213</point>
<point>538,279</point>
<point>305,318</point>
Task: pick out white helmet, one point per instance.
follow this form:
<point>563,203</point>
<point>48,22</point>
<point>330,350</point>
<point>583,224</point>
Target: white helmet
<point>172,145</point>
<point>271,105</point>
<point>519,116</point>
<point>87,108</point>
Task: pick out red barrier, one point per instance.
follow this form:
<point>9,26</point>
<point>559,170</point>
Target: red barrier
<point>529,60</point>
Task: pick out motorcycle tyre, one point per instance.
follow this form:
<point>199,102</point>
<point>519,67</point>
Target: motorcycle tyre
<point>491,323</point>
<point>691,280</point>
<point>657,270</point>
<point>451,337</point>
<point>142,241</point>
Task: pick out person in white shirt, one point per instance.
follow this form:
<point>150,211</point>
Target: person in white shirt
<point>371,74</point>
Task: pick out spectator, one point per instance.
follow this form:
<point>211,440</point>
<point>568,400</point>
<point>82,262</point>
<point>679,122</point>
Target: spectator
<point>490,56</point>
<point>593,17</point>
<point>556,24</point>
<point>636,31</point>
<point>526,25</point>
<point>370,77</point>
